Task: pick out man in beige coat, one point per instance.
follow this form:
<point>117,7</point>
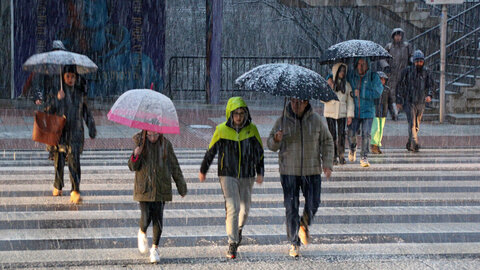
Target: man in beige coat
<point>304,144</point>
<point>339,112</point>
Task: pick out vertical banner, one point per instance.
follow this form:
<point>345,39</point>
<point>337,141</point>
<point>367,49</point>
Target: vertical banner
<point>137,38</point>
<point>6,71</point>
<point>126,39</point>
<point>214,13</point>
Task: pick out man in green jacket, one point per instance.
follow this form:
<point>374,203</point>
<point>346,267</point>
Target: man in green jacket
<point>155,164</point>
<point>240,157</point>
<point>305,145</point>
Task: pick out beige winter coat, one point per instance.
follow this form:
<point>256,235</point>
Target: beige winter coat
<point>344,107</point>
<point>306,146</point>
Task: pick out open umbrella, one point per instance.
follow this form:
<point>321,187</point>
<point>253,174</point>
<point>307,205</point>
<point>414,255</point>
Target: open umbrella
<point>52,63</point>
<point>287,80</point>
<point>354,49</point>
<point>147,110</point>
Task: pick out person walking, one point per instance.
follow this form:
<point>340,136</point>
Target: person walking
<point>401,51</point>
<point>240,157</point>
<point>339,112</point>
<point>367,87</point>
<point>155,164</point>
<point>71,102</point>
<point>39,87</point>
<point>381,110</point>
<point>414,89</point>
<point>305,146</point>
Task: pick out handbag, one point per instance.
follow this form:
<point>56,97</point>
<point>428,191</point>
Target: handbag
<point>47,128</point>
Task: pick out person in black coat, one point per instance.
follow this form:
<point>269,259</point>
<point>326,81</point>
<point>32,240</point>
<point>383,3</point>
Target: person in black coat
<point>414,90</point>
<point>71,102</point>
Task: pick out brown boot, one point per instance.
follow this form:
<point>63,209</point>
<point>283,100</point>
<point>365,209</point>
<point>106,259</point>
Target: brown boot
<point>374,148</point>
<point>57,192</point>
<point>75,197</point>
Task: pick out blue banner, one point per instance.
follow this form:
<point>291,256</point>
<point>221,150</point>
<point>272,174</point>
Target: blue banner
<point>126,39</point>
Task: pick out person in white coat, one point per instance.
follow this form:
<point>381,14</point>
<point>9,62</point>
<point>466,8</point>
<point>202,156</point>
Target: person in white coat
<point>339,112</point>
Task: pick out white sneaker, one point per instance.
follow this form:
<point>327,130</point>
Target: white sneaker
<point>142,242</point>
<point>154,256</point>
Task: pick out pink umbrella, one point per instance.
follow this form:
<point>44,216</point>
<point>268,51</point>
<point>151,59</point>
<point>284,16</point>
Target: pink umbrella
<point>147,110</point>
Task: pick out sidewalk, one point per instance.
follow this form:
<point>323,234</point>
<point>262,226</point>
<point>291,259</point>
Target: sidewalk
<point>198,121</point>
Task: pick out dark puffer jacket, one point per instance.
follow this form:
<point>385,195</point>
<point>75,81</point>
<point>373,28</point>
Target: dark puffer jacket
<point>414,86</point>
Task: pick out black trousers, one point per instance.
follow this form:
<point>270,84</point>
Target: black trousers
<point>73,162</point>
<point>337,126</point>
<point>152,212</point>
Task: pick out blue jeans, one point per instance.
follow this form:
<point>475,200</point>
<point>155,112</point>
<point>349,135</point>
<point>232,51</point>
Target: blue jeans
<point>311,186</point>
<point>366,124</point>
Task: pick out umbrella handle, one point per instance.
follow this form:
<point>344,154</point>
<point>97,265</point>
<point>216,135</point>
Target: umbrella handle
<point>142,142</point>
<point>283,114</point>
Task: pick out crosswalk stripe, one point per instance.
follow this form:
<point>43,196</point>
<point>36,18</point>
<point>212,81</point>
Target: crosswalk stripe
<point>404,204</point>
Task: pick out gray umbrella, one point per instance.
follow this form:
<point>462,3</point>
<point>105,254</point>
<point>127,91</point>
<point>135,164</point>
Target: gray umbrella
<point>354,49</point>
<point>52,62</point>
<point>287,80</point>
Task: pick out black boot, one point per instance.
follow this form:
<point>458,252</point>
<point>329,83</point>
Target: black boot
<point>239,237</point>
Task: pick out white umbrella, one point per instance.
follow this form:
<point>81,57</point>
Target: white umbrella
<point>52,63</point>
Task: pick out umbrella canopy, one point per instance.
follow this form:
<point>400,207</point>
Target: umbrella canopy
<point>147,110</point>
<point>52,62</point>
<point>354,49</point>
<point>287,80</point>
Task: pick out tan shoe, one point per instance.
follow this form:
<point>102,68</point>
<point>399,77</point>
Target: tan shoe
<point>294,251</point>
<point>304,235</point>
<point>75,197</point>
<point>375,149</point>
<point>57,192</point>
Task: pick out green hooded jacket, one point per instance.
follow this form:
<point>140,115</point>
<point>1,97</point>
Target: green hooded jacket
<point>240,152</point>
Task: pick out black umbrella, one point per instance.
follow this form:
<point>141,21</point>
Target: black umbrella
<point>354,49</point>
<point>287,80</point>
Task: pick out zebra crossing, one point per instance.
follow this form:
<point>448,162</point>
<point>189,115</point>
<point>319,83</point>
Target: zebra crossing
<point>425,204</point>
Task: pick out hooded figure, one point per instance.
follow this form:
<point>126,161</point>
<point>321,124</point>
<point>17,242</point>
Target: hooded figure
<point>336,112</point>
<point>401,52</point>
<point>240,158</point>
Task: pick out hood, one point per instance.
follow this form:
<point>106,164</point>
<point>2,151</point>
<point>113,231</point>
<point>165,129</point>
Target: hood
<point>58,45</point>
<point>336,67</point>
<point>397,30</point>
<point>233,104</point>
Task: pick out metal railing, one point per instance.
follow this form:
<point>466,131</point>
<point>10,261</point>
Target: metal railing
<point>187,74</point>
<point>462,47</point>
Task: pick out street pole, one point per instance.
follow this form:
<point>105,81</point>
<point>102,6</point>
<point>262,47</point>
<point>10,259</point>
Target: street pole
<point>12,52</point>
<point>443,49</point>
